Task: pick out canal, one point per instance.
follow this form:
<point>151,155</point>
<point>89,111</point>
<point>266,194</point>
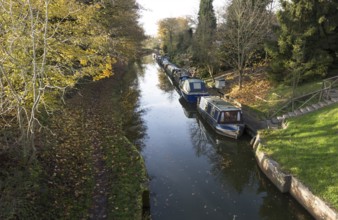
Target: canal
<point>196,174</point>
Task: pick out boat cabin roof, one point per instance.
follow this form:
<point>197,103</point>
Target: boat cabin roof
<point>194,85</point>
<point>220,104</point>
<point>194,80</point>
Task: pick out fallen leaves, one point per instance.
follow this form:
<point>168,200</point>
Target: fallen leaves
<point>254,86</point>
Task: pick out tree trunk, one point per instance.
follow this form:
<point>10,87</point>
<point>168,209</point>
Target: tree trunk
<point>211,72</point>
<point>240,79</point>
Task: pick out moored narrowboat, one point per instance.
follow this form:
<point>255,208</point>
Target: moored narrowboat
<point>192,89</point>
<point>179,75</point>
<point>225,118</point>
<point>171,68</point>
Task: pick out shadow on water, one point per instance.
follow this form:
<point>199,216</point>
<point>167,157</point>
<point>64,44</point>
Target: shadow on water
<point>188,108</point>
<point>232,162</point>
<point>133,123</point>
<point>196,173</point>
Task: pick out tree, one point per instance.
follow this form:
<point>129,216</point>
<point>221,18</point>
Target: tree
<point>119,20</point>
<point>25,68</point>
<point>242,35</point>
<point>48,45</point>
<point>307,40</point>
<point>204,38</point>
<point>174,34</point>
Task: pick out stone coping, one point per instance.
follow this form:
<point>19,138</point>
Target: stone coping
<point>287,183</point>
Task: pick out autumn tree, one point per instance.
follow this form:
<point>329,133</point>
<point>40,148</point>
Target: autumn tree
<point>118,20</point>
<point>307,40</point>
<point>247,25</point>
<point>47,45</point>
<point>175,34</point>
<point>204,38</point>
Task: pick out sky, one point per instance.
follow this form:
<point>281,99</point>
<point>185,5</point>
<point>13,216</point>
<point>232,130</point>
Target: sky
<point>156,10</point>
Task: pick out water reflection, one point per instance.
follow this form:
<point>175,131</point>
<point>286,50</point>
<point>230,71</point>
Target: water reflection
<point>197,174</point>
<point>230,162</point>
<point>163,83</point>
<point>133,123</point>
<point>189,109</point>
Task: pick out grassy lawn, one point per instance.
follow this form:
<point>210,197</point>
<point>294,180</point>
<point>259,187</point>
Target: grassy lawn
<point>278,96</point>
<point>308,149</point>
<point>128,181</point>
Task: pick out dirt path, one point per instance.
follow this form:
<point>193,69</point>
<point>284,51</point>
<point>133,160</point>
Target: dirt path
<point>100,193</point>
<point>94,100</point>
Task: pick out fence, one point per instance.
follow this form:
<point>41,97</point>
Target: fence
<point>314,97</point>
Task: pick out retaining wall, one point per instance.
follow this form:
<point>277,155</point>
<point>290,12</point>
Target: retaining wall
<point>287,183</point>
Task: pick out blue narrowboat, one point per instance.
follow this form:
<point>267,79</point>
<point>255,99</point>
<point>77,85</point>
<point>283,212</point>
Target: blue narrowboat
<point>192,89</point>
<point>225,118</point>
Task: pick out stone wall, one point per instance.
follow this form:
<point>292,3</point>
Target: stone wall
<point>286,183</point>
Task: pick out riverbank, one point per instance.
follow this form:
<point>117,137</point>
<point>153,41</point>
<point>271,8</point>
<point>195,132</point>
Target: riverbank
<point>85,168</point>
<point>119,171</point>
<point>309,151</point>
<point>301,159</point>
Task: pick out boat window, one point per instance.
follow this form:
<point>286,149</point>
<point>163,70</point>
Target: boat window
<point>230,116</point>
<point>209,108</point>
<point>212,112</point>
<point>215,115</point>
<point>197,86</point>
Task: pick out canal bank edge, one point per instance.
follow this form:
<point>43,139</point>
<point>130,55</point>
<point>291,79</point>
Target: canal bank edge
<point>287,183</point>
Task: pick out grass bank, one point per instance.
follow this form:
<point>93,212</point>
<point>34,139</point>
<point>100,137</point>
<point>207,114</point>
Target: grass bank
<point>308,147</point>
<point>308,150</point>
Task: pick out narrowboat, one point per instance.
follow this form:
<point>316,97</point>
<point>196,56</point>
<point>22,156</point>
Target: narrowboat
<point>192,89</point>
<point>171,68</point>
<point>224,117</point>
<point>180,75</point>
<point>219,142</point>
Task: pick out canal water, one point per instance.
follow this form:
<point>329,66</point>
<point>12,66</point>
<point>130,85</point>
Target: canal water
<point>196,174</point>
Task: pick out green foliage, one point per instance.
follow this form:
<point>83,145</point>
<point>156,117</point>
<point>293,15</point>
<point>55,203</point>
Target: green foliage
<point>307,40</point>
<point>125,201</point>
<point>21,190</point>
<point>307,149</point>
<point>205,33</point>
<point>152,43</point>
<point>175,35</point>
<point>119,20</point>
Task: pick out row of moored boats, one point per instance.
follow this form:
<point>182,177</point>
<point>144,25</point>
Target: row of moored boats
<point>224,117</point>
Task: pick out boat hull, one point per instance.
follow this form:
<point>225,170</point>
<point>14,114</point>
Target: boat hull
<point>192,97</point>
<point>228,130</point>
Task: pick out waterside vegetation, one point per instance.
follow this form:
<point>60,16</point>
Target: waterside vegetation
<point>308,150</point>
<point>270,56</point>
<point>64,72</point>
<point>55,139</point>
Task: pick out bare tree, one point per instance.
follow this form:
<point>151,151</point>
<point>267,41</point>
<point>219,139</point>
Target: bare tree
<point>23,64</point>
<point>246,25</point>
<point>28,77</point>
